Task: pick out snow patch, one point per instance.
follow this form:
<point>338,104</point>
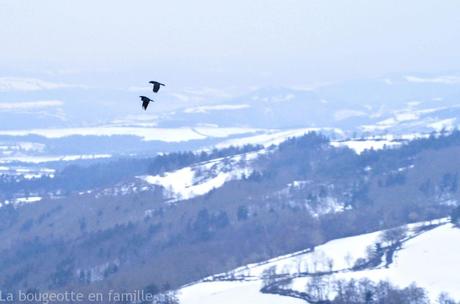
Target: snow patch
<point>230,293</point>
<point>25,105</point>
<point>45,159</point>
<point>447,124</point>
<point>30,199</point>
<point>200,179</point>
<point>438,80</point>
<point>8,84</point>
<point>221,107</point>
<point>274,137</point>
<point>345,114</point>
<point>359,146</point>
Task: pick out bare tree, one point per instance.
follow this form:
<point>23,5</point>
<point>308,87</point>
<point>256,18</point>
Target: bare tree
<point>394,236</point>
<point>349,259</point>
<point>316,288</point>
<point>330,264</point>
<point>169,297</point>
<point>299,264</point>
<point>444,298</point>
<point>269,276</point>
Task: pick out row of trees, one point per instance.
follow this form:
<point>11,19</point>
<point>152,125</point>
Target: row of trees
<point>365,291</point>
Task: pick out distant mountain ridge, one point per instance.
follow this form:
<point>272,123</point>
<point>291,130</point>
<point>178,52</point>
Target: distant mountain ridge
<point>362,105</point>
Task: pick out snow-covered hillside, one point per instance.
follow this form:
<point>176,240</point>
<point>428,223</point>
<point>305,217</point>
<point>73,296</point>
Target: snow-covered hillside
<point>201,178</point>
<point>429,260</point>
<point>425,255</point>
<point>231,292</point>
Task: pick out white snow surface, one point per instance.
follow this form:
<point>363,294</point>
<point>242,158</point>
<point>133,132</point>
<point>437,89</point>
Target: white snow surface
<point>220,107</point>
<point>235,292</point>
<point>343,253</point>
<point>359,146</point>
<point>8,84</point>
<point>321,206</point>
<point>203,177</point>
<point>27,105</point>
<point>439,80</point>
<point>43,159</point>
<point>31,199</point>
<point>148,134</point>
<point>428,258</point>
<point>22,201</point>
<point>448,124</point>
<point>345,114</point>
<point>273,137</point>
<point>407,118</point>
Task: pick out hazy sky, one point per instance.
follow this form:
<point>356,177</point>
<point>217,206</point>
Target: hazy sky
<point>226,43</point>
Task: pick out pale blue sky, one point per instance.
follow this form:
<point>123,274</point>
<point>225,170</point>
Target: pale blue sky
<point>226,43</point>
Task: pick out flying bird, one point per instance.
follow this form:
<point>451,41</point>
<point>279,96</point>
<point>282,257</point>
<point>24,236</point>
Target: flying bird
<point>146,101</point>
<point>156,86</point>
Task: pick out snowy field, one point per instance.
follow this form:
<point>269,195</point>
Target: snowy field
<point>21,201</point>
<point>359,146</point>
<point>201,178</point>
<point>427,257</point>
<point>37,159</point>
<point>430,260</point>
<point>148,134</point>
<point>230,293</point>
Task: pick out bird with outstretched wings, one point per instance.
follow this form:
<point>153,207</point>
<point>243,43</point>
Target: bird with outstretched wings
<point>146,101</point>
<point>156,86</point>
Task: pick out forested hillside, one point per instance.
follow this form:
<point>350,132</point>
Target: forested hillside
<point>106,225</point>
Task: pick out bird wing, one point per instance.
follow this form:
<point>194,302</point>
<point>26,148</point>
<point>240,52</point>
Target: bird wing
<point>156,87</point>
<point>145,104</point>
